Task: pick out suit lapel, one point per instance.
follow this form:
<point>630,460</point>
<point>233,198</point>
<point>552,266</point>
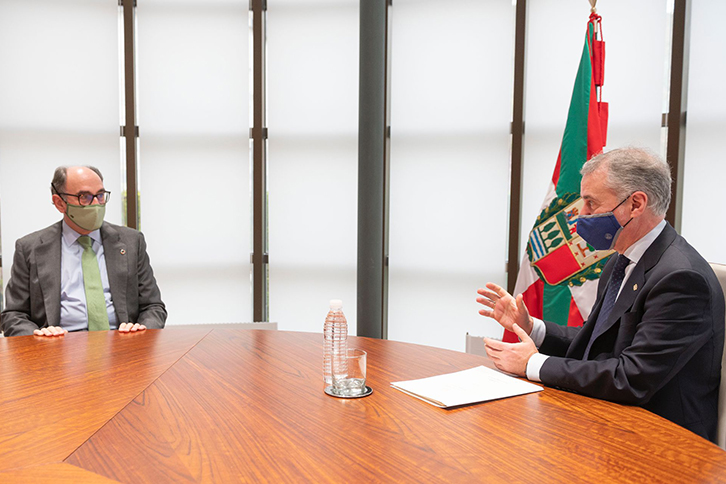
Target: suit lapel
<point>627,296</point>
<point>636,280</point>
<point>116,265</point>
<point>48,262</point>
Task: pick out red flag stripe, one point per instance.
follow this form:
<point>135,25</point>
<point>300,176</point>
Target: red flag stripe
<point>574,318</point>
<point>533,299</point>
<point>556,174</point>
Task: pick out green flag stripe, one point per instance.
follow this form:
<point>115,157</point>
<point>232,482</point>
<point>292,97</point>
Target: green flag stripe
<point>556,307</point>
<point>574,141</point>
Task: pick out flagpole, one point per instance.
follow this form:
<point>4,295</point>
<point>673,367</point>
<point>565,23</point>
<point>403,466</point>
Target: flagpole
<point>593,9</point>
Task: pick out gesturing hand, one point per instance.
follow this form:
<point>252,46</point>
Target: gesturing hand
<point>505,309</point>
<point>511,357</point>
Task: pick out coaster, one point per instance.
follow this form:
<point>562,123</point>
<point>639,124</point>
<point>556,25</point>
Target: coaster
<point>330,391</point>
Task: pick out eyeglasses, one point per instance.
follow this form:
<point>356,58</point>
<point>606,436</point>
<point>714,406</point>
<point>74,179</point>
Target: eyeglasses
<point>85,198</point>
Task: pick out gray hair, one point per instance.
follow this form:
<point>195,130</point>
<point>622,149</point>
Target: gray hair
<point>58,185</point>
<point>630,170</point>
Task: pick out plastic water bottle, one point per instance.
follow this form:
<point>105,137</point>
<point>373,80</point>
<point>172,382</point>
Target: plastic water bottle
<point>335,343</point>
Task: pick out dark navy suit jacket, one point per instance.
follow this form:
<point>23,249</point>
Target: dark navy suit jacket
<point>662,344</point>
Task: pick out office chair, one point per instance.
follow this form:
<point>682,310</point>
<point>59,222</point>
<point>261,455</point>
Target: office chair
<point>720,270</point>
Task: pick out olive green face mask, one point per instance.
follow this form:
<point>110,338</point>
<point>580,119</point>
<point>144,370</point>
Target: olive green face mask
<point>87,217</point>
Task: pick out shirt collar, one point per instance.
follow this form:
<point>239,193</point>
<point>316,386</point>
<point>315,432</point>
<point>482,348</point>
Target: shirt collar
<point>636,251</point>
<point>70,235</point>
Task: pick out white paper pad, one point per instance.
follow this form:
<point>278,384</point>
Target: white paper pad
<point>478,384</point>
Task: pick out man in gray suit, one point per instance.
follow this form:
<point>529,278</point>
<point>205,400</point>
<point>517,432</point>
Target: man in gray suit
<point>81,273</point>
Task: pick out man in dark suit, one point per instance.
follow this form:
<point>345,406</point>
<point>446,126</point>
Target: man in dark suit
<point>81,273</point>
<point>656,332</point>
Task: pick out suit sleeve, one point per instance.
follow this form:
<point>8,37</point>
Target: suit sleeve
<point>152,312</point>
<point>675,323</point>
<point>557,339</point>
<point>16,316</point>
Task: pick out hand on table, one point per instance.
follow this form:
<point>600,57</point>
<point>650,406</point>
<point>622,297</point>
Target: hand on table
<point>505,309</point>
<point>50,331</point>
<point>130,327</point>
<point>511,357</point>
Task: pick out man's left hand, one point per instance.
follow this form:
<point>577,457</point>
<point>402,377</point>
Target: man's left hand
<point>512,357</point>
<point>130,327</point>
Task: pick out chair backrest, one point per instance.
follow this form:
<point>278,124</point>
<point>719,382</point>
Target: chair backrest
<point>475,345</point>
<point>720,270</point>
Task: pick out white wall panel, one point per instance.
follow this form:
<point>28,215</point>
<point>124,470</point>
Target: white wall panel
<point>312,49</point>
<point>194,168</point>
<point>704,173</point>
<point>59,105</point>
<point>451,101</point>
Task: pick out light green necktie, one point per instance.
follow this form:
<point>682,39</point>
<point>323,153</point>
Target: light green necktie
<point>95,301</point>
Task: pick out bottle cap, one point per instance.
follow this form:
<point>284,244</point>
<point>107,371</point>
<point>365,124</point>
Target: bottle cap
<point>336,304</point>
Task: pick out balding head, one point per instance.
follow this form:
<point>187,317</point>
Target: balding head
<point>60,176</point>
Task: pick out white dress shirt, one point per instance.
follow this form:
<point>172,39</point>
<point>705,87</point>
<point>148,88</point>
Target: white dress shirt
<point>539,330</point>
<point>74,315</point>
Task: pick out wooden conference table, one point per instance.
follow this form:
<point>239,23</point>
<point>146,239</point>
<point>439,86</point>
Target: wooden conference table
<point>223,405</point>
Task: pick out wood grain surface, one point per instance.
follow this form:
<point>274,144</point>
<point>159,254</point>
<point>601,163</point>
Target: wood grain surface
<point>246,405</point>
<point>56,392</point>
<point>55,473</point>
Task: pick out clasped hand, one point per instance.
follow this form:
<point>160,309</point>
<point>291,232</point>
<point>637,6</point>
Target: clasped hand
<point>58,331</point>
<point>513,315</point>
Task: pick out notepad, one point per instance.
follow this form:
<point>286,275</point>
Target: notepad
<point>478,384</point>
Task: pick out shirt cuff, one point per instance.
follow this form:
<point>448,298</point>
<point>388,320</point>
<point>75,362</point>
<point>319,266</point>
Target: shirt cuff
<point>534,365</point>
<point>539,331</point>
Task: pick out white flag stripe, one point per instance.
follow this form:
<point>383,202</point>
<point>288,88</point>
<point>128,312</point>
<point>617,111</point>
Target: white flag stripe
<point>526,277</point>
<point>584,297</point>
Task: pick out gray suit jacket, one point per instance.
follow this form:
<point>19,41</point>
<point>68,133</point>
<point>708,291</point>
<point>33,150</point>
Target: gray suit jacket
<point>32,297</point>
<point>661,345</point>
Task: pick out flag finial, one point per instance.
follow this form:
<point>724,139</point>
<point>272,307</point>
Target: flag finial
<point>592,4</point>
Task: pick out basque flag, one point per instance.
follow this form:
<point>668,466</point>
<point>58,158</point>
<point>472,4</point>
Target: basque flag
<point>558,275</point>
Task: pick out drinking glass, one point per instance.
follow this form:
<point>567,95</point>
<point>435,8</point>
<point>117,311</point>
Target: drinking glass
<point>354,383</point>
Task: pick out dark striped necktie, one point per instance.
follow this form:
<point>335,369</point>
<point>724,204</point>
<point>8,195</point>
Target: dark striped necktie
<point>611,295</point>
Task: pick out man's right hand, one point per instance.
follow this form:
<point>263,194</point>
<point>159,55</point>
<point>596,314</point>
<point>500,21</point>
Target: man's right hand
<point>505,309</point>
<point>50,331</point>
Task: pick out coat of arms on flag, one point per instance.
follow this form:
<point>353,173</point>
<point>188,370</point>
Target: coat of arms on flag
<point>558,275</point>
<point>556,251</point>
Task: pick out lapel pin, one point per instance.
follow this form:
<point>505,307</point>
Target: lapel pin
<point>635,287</point>
<point>123,251</point>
